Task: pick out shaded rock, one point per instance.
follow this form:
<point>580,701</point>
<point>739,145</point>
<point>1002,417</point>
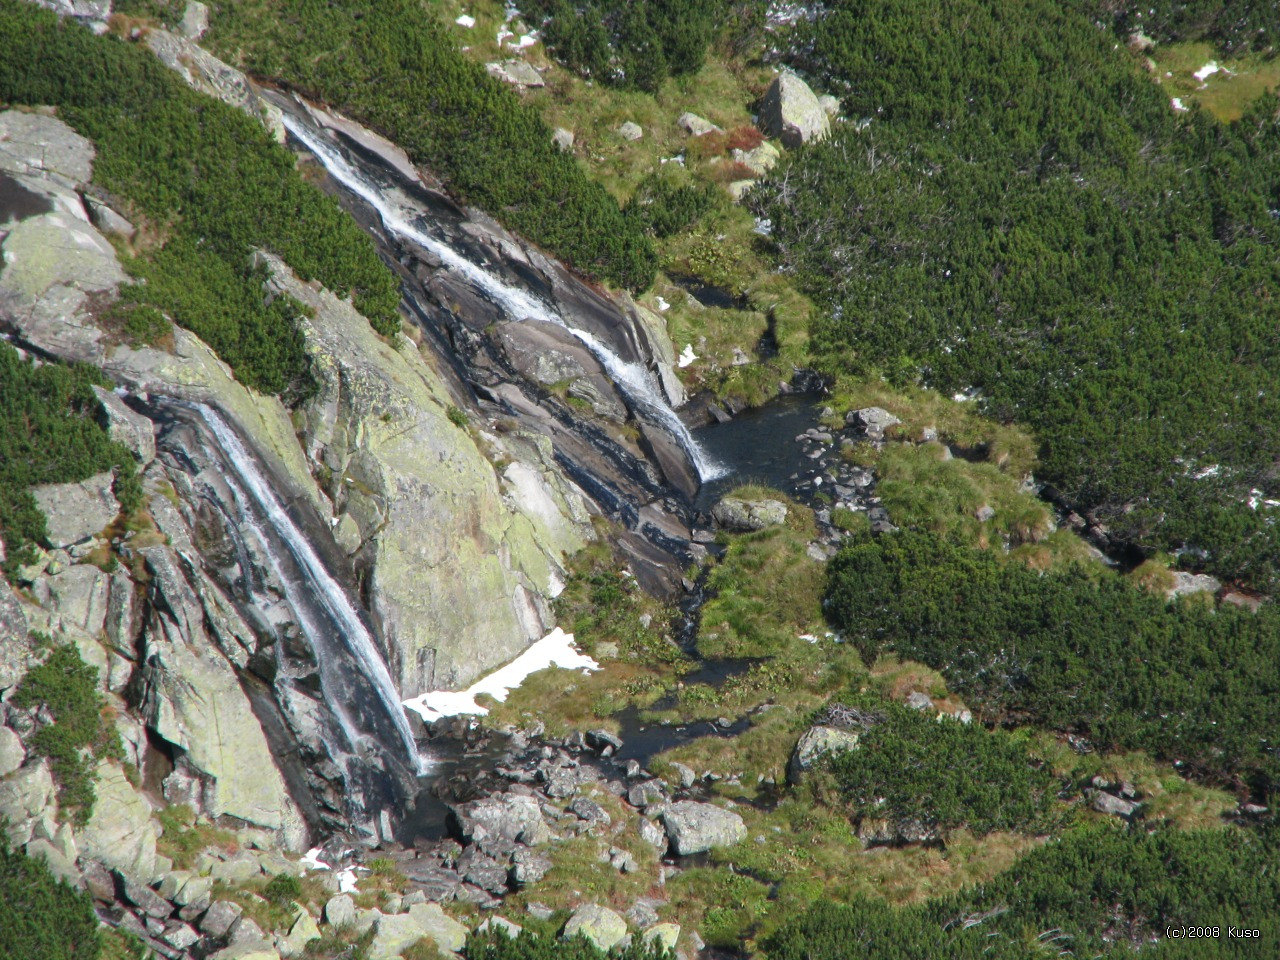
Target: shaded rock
<point>745,515</point>
<point>220,916</point>
<point>124,425</point>
<point>697,827</point>
<point>630,131</point>
<point>509,816</point>
<point>791,112</point>
<point>77,511</point>
<point>919,701</point>
<point>653,835</point>
<point>604,928</point>
<point>108,221</point>
<point>136,892</point>
<point>501,925</point>
<point>646,794</point>
<point>686,776</point>
<point>816,743</point>
<point>601,739</point>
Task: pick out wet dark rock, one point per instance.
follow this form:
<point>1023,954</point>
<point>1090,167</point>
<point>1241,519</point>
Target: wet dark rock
<point>601,740</point>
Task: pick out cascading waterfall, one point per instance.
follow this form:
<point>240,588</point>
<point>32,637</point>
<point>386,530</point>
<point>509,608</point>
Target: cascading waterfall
<point>327,590</point>
<point>633,379</point>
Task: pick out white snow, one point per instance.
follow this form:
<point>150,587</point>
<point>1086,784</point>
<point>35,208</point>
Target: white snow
<point>554,650</point>
<point>1205,72</point>
<point>687,356</point>
<point>663,306</point>
<point>347,881</point>
<point>466,21</point>
<point>1177,104</point>
<point>526,40</point>
<point>312,860</point>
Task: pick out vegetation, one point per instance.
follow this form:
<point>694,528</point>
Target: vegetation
<point>396,69</point>
<point>185,837</point>
<point>40,916</point>
<point>1234,25</point>
<point>1199,684</point>
<point>630,43</point>
<point>495,945</point>
<point>209,182</point>
<point>80,731</point>
<point>1045,238</point>
<point>1096,892</point>
<point>49,434</point>
<point>910,767</point>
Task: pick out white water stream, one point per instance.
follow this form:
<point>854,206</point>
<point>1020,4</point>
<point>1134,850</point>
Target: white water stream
<point>326,590</point>
<point>632,378</point>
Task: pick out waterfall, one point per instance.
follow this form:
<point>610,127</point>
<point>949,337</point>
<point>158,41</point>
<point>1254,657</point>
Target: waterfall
<point>326,590</point>
<point>632,378</point>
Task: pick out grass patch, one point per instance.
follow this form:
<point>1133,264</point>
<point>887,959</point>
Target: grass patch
<point>1225,94</point>
<point>185,836</point>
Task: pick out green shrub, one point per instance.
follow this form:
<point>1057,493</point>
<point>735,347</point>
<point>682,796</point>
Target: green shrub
<point>394,67</point>
<point>942,775</point>
<point>664,207</point>
<point>1026,215</point>
<point>146,325</point>
<point>282,889</point>
<point>495,945</point>
<point>69,688</point>
<point>41,917</point>
<point>48,434</point>
<point>1099,657</point>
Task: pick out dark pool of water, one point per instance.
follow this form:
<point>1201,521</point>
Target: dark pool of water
<point>759,446</point>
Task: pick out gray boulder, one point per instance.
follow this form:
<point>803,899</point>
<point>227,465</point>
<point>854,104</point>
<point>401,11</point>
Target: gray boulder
<point>132,429</point>
<point>77,511</point>
<point>563,139</point>
<point>528,867</point>
<point>119,833</point>
<point>509,816</point>
<point>746,515</point>
<point>25,795</point>
<point>195,20</point>
<point>791,112</point>
<point>35,144</point>
<point>874,421</point>
<point>518,73</point>
<point>1114,806</point>
<point>630,131</point>
<point>604,928</point>
<point>81,596</point>
<point>12,753</point>
<point>219,918</point>
<point>395,933</point>
<point>108,220</point>
<point>698,827</point>
<point>340,911</point>
<point>816,743</point>
<point>695,125</point>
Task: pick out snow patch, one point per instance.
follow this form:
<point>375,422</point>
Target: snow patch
<point>1177,104</point>
<point>1207,71</point>
<point>687,356</point>
<point>466,21</point>
<point>554,650</point>
<point>663,306</point>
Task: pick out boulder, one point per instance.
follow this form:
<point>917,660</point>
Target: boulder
<point>919,701</point>
<point>127,426</point>
<point>874,421</point>
<point>1185,583</point>
<point>760,160</point>
<point>746,515</point>
<point>630,131</point>
<point>134,891</point>
<point>877,831</point>
<point>219,918</point>
<point>501,925</point>
<point>653,835</point>
<point>340,911</point>
<point>195,20</point>
<point>739,188</point>
<point>563,139</point>
<point>108,221</point>
<point>604,928</point>
<point>698,827</point>
<point>77,511</point>
<point>528,867</point>
<point>1114,806</point>
<point>12,753</point>
<point>695,125</point>
<point>395,933</point>
<point>601,739</point>
<point>302,932</point>
<point>59,864</point>
<point>815,743</point>
<point>25,795</point>
<point>35,144</point>
<point>664,934</point>
<point>120,833</point>
<point>791,112</point>
<point>518,73</point>
<point>81,596</point>
<point>509,816</point>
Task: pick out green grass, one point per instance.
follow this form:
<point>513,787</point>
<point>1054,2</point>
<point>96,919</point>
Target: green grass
<point>1225,94</point>
<point>184,836</point>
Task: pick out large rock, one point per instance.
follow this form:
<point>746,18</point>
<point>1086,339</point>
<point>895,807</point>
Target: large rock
<point>395,933</point>
<point>120,834</point>
<point>516,72</point>
<point>816,743</point>
<point>340,911</point>
<point>12,753</point>
<point>38,145</point>
<point>549,354</point>
<point>77,511</point>
<point>463,568</point>
<point>25,796</point>
<point>698,827</point>
<point>191,697</point>
<point>745,515</point>
<point>604,928</point>
<point>126,426</point>
<point>791,112</point>
<point>15,647</point>
<point>509,816</point>
<point>874,421</point>
<point>81,597</point>
<point>695,125</point>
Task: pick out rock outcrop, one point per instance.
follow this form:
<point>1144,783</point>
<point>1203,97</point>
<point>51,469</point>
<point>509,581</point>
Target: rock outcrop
<point>733,513</point>
<point>600,925</point>
<point>698,827</point>
<point>818,742</point>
